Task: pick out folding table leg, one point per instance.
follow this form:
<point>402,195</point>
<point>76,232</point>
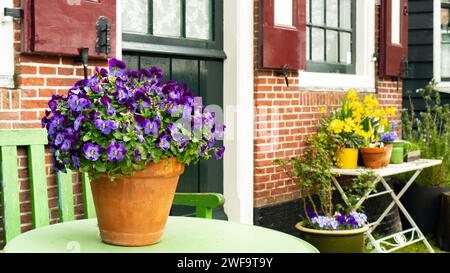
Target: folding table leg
<point>399,237</point>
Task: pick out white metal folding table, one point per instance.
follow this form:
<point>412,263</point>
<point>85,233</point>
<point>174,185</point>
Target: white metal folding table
<point>406,237</point>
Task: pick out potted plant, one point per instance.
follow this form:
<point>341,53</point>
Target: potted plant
<point>374,122</point>
<point>327,224</point>
<point>429,130</point>
<point>345,128</point>
<point>133,133</point>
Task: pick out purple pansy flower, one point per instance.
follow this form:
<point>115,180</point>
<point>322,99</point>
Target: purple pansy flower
<point>92,151</point>
<point>151,127</point>
<point>106,101</point>
<point>121,95</point>
<point>106,126</point>
<point>66,145</point>
<point>220,152</point>
<point>76,161</point>
<point>78,102</point>
<point>341,219</point>
<point>203,150</point>
<point>77,122</point>
<point>116,151</point>
<point>177,134</point>
<point>116,67</point>
<point>164,143</point>
<point>60,137</point>
<point>137,155</point>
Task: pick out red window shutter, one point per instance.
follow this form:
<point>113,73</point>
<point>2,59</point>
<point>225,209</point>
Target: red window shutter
<point>61,27</point>
<point>393,56</point>
<point>280,45</point>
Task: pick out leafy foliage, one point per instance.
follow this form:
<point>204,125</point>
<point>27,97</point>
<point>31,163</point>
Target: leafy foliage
<point>430,132</point>
<point>117,122</point>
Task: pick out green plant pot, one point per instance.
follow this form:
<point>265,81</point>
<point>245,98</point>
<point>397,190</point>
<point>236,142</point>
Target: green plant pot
<point>397,153</point>
<point>346,241</point>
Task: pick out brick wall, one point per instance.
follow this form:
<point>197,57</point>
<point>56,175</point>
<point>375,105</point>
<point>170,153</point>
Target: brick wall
<point>286,116</point>
<point>37,78</point>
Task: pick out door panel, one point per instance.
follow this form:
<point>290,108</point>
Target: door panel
<point>162,63</point>
<point>205,79</point>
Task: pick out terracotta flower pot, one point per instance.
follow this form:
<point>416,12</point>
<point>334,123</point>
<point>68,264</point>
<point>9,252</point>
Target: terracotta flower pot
<point>376,158</point>
<point>133,210</point>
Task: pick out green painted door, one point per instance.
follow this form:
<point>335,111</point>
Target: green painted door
<point>188,50</point>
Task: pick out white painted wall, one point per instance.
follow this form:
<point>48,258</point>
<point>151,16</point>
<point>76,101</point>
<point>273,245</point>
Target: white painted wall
<point>6,47</point>
<point>238,102</point>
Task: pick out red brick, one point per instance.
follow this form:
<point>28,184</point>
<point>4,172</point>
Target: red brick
<point>9,116</point>
<point>62,81</point>
<point>26,69</point>
<point>65,71</point>
<point>33,104</point>
<point>28,115</point>
<point>30,81</point>
<point>47,70</point>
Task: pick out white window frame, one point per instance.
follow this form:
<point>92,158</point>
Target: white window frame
<point>441,86</point>
<point>6,47</point>
<point>364,79</point>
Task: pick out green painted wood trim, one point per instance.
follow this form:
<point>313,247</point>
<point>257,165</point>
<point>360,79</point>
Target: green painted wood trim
<point>38,185</point>
<point>88,201</point>
<point>206,200</point>
<point>23,137</point>
<point>65,194</point>
<point>10,193</point>
<point>174,50</point>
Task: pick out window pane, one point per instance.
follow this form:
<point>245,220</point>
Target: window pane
<point>346,48</point>
<point>317,44</point>
<point>445,63</point>
<point>346,14</point>
<point>197,19</point>
<point>445,46</point>
<point>318,9</point>
<point>283,12</point>
<point>332,13</point>
<point>308,19</point>
<point>135,15</point>
<point>395,24</point>
<point>332,46</point>
<point>166,17</point>
<point>308,43</point>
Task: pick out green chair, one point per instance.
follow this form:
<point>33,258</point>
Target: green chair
<point>35,141</point>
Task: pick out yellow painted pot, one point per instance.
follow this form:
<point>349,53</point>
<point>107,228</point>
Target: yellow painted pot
<point>347,158</point>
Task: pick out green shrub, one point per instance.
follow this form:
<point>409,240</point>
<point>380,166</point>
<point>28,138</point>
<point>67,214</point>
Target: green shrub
<point>430,131</point>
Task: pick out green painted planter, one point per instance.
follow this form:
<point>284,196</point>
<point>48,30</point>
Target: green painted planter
<point>397,153</point>
<point>346,241</point>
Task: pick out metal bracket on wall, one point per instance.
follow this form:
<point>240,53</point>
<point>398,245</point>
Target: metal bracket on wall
<point>15,13</point>
<point>103,44</point>
<point>284,72</point>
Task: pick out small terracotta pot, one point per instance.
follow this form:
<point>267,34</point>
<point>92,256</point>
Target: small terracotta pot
<point>133,210</point>
<point>376,158</point>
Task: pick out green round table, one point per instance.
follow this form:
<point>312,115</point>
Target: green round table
<point>182,235</point>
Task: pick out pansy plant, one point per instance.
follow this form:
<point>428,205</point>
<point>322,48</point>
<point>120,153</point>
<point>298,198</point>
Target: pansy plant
<point>118,121</point>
